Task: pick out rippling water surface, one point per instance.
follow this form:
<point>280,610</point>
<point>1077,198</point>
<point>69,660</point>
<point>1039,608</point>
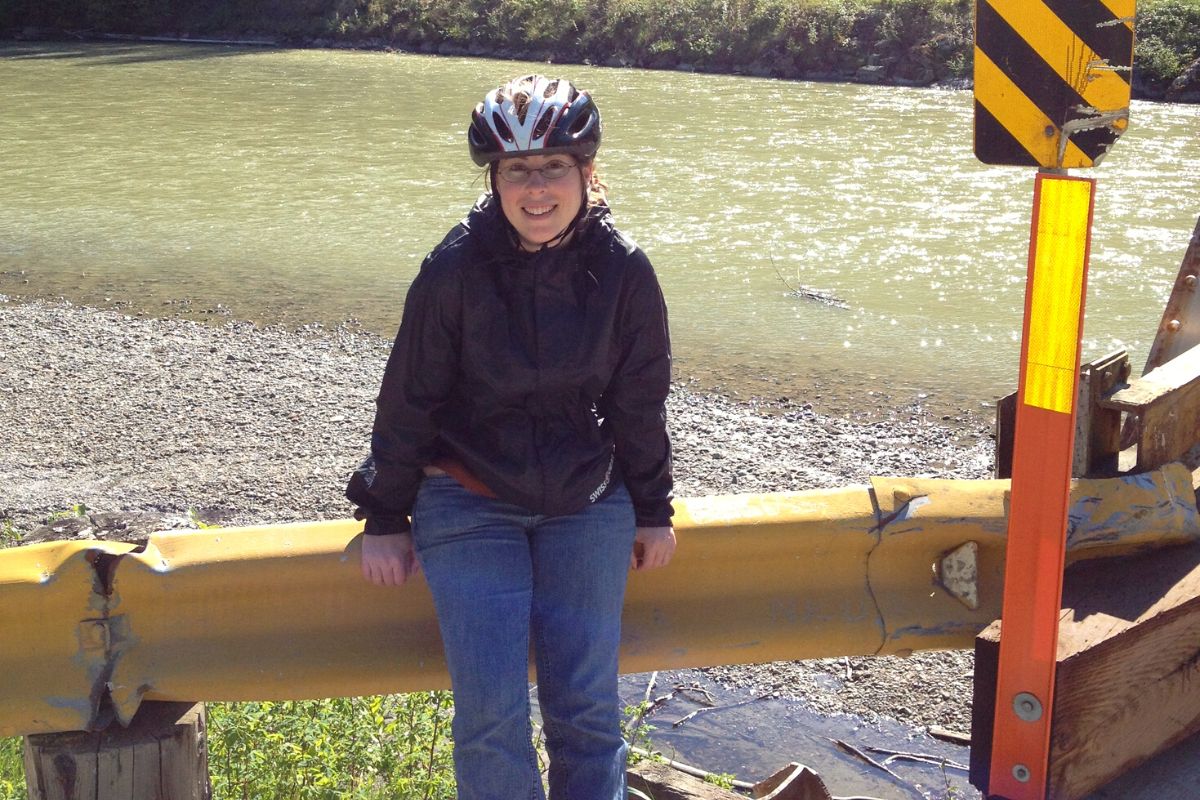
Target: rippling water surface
<point>305,186</point>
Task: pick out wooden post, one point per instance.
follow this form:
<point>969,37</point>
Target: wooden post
<point>1127,683</point>
<point>162,755</point>
<point>1097,426</point>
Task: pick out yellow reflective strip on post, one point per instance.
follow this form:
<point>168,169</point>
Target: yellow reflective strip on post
<point>1063,218</point>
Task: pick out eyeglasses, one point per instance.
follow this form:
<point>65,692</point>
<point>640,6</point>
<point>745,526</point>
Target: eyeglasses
<point>520,174</point>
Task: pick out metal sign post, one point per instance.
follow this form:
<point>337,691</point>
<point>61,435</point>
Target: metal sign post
<point>1052,91</point>
<point>1041,483</point>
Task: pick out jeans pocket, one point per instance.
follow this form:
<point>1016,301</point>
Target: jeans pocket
<point>439,506</point>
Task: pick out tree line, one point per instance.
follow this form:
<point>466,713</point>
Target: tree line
<point>913,42</point>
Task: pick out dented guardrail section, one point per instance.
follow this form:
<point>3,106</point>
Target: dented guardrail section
<point>54,651</point>
<point>282,611</point>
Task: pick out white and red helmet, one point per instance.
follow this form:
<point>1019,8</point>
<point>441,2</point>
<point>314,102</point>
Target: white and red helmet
<point>558,118</point>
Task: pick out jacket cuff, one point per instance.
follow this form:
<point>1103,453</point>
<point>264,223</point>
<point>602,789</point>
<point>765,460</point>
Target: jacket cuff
<point>659,518</point>
<point>386,525</point>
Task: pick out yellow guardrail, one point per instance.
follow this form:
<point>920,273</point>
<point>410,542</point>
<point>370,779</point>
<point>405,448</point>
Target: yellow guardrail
<point>282,611</point>
<point>54,659</point>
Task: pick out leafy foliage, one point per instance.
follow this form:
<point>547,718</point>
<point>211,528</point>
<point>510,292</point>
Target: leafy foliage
<point>12,770</point>
<point>915,41</point>
<point>393,747</point>
<point>363,748</point>
<point>1166,40</point>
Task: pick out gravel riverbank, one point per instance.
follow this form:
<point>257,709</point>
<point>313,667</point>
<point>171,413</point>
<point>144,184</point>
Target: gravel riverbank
<point>240,425</point>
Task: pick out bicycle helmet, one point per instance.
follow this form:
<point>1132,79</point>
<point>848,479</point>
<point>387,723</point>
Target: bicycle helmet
<point>536,115</point>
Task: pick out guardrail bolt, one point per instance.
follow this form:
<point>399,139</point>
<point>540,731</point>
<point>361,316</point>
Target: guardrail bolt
<point>1027,707</point>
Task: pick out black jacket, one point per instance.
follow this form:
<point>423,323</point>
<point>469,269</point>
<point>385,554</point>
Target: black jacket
<point>544,374</point>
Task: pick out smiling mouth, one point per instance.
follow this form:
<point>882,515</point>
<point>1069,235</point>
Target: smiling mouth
<point>538,211</point>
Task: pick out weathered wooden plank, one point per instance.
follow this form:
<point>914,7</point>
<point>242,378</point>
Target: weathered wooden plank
<point>1166,401</point>
<point>1170,428</point>
<point>1128,679</point>
<point>162,755</point>
<point>1128,682</point>
<point>793,782</point>
<point>661,782</point>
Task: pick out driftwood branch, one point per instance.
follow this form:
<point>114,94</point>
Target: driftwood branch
<point>684,719</point>
<point>854,751</point>
<point>894,755</point>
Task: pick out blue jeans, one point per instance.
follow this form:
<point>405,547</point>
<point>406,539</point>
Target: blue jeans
<point>498,574</point>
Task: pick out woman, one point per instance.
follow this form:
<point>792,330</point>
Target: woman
<point>521,426</point>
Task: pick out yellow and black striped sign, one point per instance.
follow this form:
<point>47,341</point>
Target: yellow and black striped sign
<point>1051,80</point>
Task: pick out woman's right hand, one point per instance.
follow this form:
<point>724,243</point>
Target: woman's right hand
<point>389,560</point>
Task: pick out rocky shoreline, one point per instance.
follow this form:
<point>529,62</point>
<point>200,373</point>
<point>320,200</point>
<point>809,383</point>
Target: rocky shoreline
<point>233,424</point>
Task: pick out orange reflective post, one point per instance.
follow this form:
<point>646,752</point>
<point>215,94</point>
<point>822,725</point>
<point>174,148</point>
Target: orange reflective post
<point>1054,300</point>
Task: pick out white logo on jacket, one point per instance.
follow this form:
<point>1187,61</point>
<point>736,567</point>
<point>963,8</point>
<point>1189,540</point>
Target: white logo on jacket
<point>595,495</point>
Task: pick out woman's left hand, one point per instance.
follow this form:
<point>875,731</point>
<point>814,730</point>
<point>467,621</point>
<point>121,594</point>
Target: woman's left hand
<point>652,548</point>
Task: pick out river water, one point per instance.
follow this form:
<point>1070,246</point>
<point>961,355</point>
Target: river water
<point>301,186</point>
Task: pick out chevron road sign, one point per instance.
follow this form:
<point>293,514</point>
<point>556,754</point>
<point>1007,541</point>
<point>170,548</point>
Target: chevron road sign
<point>1051,80</point>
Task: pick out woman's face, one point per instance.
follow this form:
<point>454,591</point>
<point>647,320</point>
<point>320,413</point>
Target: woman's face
<point>539,205</point>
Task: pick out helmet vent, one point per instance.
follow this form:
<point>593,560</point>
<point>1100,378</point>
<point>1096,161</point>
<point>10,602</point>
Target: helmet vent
<point>579,124</point>
<point>550,89</point>
<point>543,123</point>
<point>502,127</point>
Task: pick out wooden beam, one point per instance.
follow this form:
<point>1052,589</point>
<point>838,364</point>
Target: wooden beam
<point>1127,685</point>
<point>1167,401</point>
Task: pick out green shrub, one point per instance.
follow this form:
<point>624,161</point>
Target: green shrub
<point>1166,40</point>
<point>915,40</point>
<point>362,748</point>
<point>394,747</point>
<point>12,770</point>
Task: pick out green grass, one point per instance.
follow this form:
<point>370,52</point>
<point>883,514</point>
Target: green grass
<point>394,747</point>
<point>9,536</point>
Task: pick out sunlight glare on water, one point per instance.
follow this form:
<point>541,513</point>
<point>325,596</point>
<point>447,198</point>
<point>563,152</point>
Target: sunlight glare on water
<point>306,185</point>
